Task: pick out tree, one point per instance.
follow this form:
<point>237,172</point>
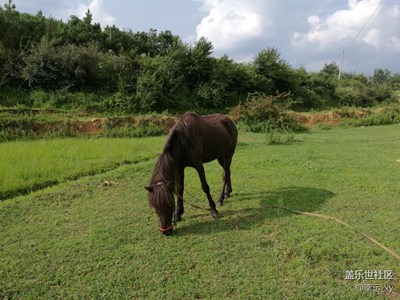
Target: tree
<point>10,6</point>
<point>381,76</point>
<point>200,63</point>
<point>394,81</point>
<point>161,82</point>
<point>330,71</point>
<point>73,67</point>
<point>81,32</point>
<point>269,64</point>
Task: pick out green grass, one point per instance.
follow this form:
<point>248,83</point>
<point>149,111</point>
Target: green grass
<point>31,165</point>
<point>81,240</point>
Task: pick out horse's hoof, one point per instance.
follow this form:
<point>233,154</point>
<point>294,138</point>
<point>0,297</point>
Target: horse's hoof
<point>214,213</point>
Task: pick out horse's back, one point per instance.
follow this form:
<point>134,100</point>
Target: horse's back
<point>205,138</point>
<point>219,136</point>
<point>223,127</point>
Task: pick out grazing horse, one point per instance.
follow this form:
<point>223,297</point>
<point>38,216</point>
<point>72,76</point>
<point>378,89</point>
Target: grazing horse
<point>193,140</point>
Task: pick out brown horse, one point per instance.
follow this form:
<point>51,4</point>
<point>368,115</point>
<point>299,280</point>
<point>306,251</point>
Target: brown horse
<point>193,140</point>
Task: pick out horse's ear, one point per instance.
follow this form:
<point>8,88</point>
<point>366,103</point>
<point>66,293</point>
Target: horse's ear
<point>150,189</point>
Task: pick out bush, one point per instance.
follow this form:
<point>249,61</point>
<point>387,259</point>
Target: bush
<point>210,94</point>
<point>11,96</point>
<point>71,67</point>
<point>387,116</point>
<point>261,113</point>
<point>144,126</point>
<point>325,126</point>
<point>119,103</point>
<point>359,92</point>
<point>279,138</point>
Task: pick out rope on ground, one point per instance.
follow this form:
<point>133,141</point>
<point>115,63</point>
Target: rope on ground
<point>391,252</point>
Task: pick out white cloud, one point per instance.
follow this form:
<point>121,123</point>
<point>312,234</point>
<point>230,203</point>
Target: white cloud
<point>100,15</point>
<point>373,37</point>
<point>229,24</point>
<point>377,46</point>
<point>340,25</point>
<point>395,43</point>
<point>394,12</point>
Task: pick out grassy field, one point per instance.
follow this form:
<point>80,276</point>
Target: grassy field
<point>31,165</point>
<point>79,239</point>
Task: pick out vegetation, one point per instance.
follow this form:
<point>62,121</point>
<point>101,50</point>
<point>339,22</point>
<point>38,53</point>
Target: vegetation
<point>77,65</point>
<point>261,113</point>
<point>81,239</point>
<point>31,165</point>
<point>29,124</point>
<point>384,116</point>
<point>73,212</point>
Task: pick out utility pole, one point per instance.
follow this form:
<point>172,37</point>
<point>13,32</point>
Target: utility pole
<point>359,32</point>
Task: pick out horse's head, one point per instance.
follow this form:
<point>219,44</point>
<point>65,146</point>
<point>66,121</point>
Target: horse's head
<point>162,200</point>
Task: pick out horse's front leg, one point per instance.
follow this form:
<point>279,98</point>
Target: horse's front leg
<point>179,189</point>
<point>206,189</point>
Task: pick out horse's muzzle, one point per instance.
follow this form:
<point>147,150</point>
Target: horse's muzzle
<point>166,231</point>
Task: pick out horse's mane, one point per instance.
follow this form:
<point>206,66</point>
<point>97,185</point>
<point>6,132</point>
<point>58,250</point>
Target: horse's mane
<point>163,179</point>
<point>185,132</point>
<point>163,176</point>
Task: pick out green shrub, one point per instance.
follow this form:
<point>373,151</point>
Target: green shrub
<point>144,127</point>
<point>325,126</point>
<point>279,138</point>
<point>358,92</point>
<point>119,103</point>
<point>10,96</point>
<point>387,116</point>
<point>261,113</point>
<point>63,99</point>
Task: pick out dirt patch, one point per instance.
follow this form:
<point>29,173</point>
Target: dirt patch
<point>43,123</point>
<point>96,125</point>
<point>312,120</point>
<point>89,127</point>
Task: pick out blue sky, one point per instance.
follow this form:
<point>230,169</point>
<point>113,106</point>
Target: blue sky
<point>307,33</point>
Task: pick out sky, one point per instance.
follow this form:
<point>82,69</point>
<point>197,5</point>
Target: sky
<point>307,33</point>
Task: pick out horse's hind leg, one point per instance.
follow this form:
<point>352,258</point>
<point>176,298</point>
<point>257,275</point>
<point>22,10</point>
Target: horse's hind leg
<point>226,191</point>
<point>206,190</point>
<point>221,161</point>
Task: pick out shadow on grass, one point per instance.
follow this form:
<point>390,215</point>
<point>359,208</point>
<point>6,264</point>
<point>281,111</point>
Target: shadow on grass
<point>295,198</point>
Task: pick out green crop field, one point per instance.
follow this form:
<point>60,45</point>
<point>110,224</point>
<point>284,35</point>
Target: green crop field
<point>30,165</point>
<point>81,239</point>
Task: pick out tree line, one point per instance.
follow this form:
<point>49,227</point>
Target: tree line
<point>133,72</point>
